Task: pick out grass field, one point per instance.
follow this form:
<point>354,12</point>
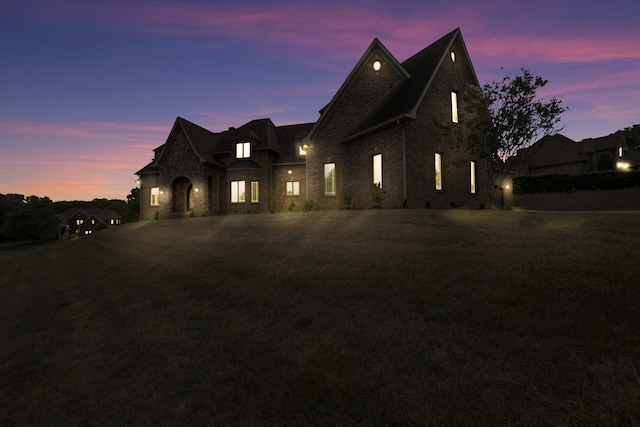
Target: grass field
<point>372,317</point>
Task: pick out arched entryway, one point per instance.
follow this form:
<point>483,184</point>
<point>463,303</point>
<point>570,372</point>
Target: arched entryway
<point>182,197</point>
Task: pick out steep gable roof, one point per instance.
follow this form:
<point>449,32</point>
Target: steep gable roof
<point>422,68</point>
<point>202,141</point>
<point>383,55</point>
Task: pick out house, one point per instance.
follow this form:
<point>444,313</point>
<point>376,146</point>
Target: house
<point>379,133</point>
<point>557,154</point>
<point>86,221</point>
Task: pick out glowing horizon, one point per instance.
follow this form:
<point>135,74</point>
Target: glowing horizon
<point>90,89</point>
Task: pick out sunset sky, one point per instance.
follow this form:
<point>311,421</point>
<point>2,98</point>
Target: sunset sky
<point>89,88</point>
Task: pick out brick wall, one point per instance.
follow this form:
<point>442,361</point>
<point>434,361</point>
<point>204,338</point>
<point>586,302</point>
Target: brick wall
<point>281,176</point>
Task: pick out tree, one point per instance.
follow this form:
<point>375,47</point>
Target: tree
<point>133,203</point>
<point>502,118</point>
<point>31,219</point>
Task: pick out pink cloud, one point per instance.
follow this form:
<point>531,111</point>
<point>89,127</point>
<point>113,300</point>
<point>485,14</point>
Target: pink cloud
<point>560,49</point>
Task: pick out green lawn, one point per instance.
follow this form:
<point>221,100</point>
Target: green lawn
<point>370,317</point>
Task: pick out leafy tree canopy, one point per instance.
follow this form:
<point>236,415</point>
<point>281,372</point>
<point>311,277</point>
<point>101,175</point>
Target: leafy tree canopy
<point>503,117</point>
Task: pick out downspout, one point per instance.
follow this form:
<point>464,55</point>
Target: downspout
<point>218,190</point>
<point>404,164</point>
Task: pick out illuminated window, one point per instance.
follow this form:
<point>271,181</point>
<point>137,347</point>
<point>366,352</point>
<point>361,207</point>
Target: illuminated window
<point>293,188</point>
<point>255,191</point>
<point>454,107</point>
<point>87,232</point>
<point>79,221</point>
<point>453,56</point>
<point>620,151</point>
<point>377,65</point>
<point>243,150</point>
<point>155,196</point>
<point>438,169</point>
<point>330,179</point>
<point>237,192</point>
<point>301,150</point>
<point>473,177</point>
<point>377,170</point>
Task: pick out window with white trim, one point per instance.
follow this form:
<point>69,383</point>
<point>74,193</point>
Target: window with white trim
<point>255,191</point>
<point>243,150</point>
<point>237,192</point>
<point>330,179</point>
<point>438,171</point>
<point>155,196</point>
<point>454,107</point>
<point>377,170</point>
<point>293,188</point>
<point>473,176</point>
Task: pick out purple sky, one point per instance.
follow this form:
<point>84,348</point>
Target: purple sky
<point>89,88</point>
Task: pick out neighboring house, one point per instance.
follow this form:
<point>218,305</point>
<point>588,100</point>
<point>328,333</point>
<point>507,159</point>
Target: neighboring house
<point>380,128</point>
<point>557,154</point>
<point>86,221</point>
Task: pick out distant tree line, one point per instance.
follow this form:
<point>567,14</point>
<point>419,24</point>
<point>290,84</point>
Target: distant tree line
<point>34,218</point>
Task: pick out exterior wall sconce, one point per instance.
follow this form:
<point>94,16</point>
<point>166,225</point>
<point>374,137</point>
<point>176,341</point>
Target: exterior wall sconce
<point>196,190</point>
<point>289,171</point>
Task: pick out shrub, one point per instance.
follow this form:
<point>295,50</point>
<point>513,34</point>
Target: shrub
<point>345,199</point>
<point>377,195</point>
<point>309,205</point>
<point>292,207</point>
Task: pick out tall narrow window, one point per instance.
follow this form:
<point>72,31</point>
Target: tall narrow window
<point>454,107</point>
<point>243,150</point>
<point>377,170</point>
<point>293,188</point>
<point>438,170</point>
<point>330,179</point>
<point>473,177</point>
<point>620,151</point>
<point>255,191</point>
<point>237,192</point>
<point>155,196</point>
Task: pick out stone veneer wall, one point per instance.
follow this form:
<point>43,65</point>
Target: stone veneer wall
<point>180,161</point>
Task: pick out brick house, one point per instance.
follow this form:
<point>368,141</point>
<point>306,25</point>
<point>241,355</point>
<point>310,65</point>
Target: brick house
<point>557,154</point>
<point>381,128</point>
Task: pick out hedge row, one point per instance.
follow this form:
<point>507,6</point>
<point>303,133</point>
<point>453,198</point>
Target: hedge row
<point>563,183</point>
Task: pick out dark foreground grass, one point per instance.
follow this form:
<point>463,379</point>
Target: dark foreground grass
<point>377,317</point>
